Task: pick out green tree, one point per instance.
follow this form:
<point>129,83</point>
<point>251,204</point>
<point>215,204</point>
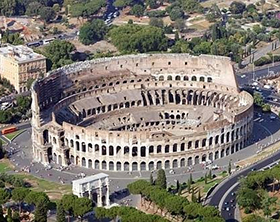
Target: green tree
<point>258,99</point>
<point>41,211</point>
<point>193,197</point>
<point>137,10</point>
<point>176,13</point>
<point>161,179</point>
<point>192,6</point>
<point>33,8</point>
<point>68,201</point>
<point>237,7</point>
<point>29,83</point>
<point>4,196</point>
<point>82,206</point>
<point>135,38</point>
<point>59,53</point>
<point>60,213</point>
<point>157,22</point>
<point>267,203</point>
<point>266,108</point>
<point>122,3</point>
<point>16,217</point>
<point>199,196</point>
<point>19,194</point>
<point>9,215</point>
<point>229,167</point>
<point>248,198</point>
<point>92,32</point>
<point>2,219</point>
<point>253,218</point>
<point>189,185</point>
<point>180,24</point>
<point>47,14</point>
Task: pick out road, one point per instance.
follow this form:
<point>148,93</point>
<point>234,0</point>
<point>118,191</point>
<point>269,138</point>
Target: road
<point>261,52</point>
<point>219,192</point>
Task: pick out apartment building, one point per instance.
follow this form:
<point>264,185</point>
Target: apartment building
<point>19,63</point>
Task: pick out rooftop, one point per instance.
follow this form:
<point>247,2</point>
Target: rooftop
<point>90,178</point>
<point>20,53</point>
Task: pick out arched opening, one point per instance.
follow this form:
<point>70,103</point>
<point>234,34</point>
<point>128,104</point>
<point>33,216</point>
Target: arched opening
<point>50,155</point>
<point>83,162</point>
<point>134,151</point>
<point>190,161</point>
<point>126,150</point>
<point>151,166</point>
<point>161,78</point>
<point>46,136</point>
<point>201,79</point>
<point>77,146</point>
<point>143,166</point>
<point>111,151</point>
<point>177,78</point>
<point>119,166</point>
<point>166,149</point>
<point>96,164</point>
<point>159,165</point>
<point>159,149</point>
<point>104,165</point>
<point>194,78</point>
<point>83,147</point>
<point>143,151</point>
<point>196,160</point>
<point>203,158</point>
<point>151,149</point>
<point>211,156</point>
<point>167,165</point>
<point>126,166</point>
<point>134,166</point>
<point>111,165</point>
<point>182,162</point>
<point>175,164</point>
<point>89,163</point>
<point>104,150</point>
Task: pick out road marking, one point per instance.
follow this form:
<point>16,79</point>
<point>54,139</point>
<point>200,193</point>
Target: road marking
<point>226,194</point>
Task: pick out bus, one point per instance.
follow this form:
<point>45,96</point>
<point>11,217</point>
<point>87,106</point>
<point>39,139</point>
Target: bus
<point>8,130</point>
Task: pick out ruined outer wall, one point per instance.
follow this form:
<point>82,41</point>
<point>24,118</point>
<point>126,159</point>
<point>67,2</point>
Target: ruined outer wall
<point>85,147</point>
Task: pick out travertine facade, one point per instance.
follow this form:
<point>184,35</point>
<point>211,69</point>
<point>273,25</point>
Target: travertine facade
<point>140,112</point>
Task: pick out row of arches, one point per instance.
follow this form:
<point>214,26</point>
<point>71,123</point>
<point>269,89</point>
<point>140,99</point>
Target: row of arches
<point>161,97</point>
<point>153,149</point>
<point>152,165</point>
<point>185,78</point>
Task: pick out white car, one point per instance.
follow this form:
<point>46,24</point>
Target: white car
<point>243,76</point>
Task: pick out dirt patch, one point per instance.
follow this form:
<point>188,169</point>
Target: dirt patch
<point>101,46</point>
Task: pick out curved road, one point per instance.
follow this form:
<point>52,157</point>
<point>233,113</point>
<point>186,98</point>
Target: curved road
<point>217,196</point>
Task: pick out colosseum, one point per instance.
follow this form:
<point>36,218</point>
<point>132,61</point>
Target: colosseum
<point>140,112</point>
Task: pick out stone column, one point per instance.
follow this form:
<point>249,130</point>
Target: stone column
<point>89,191</point>
<point>99,196</point>
<point>107,192</point>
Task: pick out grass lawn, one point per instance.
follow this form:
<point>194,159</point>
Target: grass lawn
<point>5,166</point>
<point>12,135</point>
<point>54,190</point>
<point>3,141</point>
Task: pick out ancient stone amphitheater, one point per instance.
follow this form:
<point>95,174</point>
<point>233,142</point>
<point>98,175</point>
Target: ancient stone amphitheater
<point>140,112</point>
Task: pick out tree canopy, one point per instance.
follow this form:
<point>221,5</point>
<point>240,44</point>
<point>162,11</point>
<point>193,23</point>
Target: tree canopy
<point>93,31</point>
<point>135,38</point>
<point>59,53</point>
